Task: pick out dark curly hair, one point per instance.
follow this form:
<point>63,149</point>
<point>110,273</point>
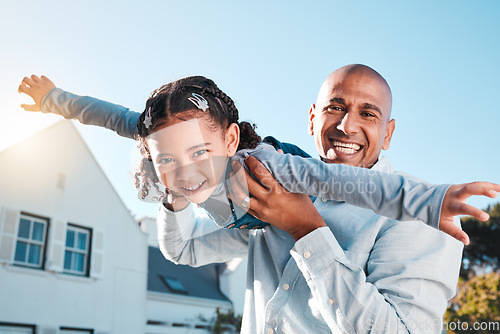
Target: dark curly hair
<point>172,100</point>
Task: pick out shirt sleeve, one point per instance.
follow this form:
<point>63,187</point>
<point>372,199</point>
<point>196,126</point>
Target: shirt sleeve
<point>397,196</point>
<point>411,273</point>
<point>91,111</point>
<point>196,241</point>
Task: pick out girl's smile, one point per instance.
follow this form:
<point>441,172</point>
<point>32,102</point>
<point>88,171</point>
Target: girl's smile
<point>190,156</point>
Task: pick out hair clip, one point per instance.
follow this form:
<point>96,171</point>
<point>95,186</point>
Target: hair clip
<point>199,101</point>
<point>147,119</point>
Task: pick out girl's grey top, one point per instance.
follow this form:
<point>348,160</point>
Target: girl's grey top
<point>398,196</point>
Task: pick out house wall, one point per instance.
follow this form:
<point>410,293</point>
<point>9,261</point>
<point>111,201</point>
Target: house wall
<point>111,300</point>
<point>170,311</point>
<point>233,283</point>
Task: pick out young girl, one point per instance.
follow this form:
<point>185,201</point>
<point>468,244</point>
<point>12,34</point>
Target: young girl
<point>189,134</point>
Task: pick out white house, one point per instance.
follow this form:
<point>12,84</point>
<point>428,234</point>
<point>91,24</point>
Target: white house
<point>74,260</point>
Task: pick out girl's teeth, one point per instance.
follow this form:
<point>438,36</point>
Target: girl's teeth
<point>196,186</point>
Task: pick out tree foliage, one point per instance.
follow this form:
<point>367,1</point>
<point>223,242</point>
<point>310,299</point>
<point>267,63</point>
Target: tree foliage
<point>483,253</point>
<point>477,302</point>
<point>478,297</point>
<point>227,322</point>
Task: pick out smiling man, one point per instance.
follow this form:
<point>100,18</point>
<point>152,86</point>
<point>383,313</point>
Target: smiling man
<point>351,121</point>
<point>350,270</point>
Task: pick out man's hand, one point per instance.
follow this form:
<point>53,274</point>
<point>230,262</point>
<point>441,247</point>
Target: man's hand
<point>37,88</point>
<point>454,205</point>
<point>293,213</point>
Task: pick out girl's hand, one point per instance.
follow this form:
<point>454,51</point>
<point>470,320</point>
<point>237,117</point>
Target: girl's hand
<point>454,205</point>
<point>37,88</point>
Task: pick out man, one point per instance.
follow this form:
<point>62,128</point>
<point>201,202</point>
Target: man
<point>352,271</point>
<point>323,267</point>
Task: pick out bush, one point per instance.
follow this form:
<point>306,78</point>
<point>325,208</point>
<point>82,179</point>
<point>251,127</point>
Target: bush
<point>477,301</point>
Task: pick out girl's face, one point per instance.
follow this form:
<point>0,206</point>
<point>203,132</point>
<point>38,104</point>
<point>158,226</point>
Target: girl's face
<point>190,156</point>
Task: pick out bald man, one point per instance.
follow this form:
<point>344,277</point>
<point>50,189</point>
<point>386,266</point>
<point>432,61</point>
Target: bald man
<point>351,271</point>
<point>322,267</point>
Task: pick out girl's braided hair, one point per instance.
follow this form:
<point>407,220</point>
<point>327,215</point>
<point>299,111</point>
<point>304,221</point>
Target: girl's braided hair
<point>172,100</point>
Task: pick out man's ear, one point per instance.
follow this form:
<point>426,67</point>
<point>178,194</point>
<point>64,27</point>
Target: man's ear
<point>232,139</point>
<point>391,125</point>
<point>312,111</point>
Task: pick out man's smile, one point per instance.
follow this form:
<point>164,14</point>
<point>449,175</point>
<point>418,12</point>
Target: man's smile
<point>342,149</point>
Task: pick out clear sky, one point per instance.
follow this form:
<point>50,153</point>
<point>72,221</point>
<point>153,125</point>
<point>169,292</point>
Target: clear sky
<point>441,60</point>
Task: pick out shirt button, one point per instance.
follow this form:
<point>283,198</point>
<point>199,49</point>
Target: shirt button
<point>307,255</point>
<point>286,287</point>
<point>330,301</point>
<point>270,331</point>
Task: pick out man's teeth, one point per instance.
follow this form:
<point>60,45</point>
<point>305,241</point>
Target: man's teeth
<point>196,186</point>
<point>347,148</point>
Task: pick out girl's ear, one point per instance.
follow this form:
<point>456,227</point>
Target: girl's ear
<point>232,139</point>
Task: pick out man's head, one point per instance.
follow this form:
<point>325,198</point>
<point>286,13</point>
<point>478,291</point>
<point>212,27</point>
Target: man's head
<point>351,120</point>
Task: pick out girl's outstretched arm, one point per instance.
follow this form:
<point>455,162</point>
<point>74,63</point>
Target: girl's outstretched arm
<point>88,110</point>
<point>397,196</point>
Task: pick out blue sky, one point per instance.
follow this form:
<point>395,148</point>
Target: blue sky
<point>441,60</point>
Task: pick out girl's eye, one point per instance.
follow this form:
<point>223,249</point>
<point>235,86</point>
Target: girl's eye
<point>165,161</point>
<point>199,153</point>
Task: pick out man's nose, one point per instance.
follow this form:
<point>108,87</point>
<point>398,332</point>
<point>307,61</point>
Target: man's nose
<point>348,124</point>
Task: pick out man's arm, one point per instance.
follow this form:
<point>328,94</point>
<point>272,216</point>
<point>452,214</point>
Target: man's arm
<point>88,110</point>
<point>412,268</point>
<point>405,288</point>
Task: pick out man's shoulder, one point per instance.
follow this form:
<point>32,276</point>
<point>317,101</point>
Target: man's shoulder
<point>286,147</point>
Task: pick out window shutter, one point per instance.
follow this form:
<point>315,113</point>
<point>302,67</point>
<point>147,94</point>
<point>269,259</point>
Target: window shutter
<point>97,261</point>
<point>57,240</point>
<point>9,220</point>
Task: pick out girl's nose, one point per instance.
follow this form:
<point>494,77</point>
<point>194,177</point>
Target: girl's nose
<point>184,172</point>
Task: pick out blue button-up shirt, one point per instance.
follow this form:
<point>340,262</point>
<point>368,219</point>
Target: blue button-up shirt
<point>362,273</point>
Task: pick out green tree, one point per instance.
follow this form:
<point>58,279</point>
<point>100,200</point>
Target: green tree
<point>477,301</point>
<point>225,321</point>
<point>483,253</point>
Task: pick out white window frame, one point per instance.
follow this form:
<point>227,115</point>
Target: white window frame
<point>70,330</point>
<point>30,241</point>
<point>74,250</point>
<point>17,328</point>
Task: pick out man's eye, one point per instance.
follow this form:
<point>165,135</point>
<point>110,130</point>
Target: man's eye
<point>199,153</point>
<point>334,108</point>
<point>367,114</point>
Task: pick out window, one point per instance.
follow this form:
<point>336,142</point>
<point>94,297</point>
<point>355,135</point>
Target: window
<point>31,241</point>
<point>68,330</point>
<point>7,328</point>
<point>175,285</point>
<point>76,255</point>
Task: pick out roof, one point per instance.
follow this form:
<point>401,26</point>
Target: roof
<point>201,282</point>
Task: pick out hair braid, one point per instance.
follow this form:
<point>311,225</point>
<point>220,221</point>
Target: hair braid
<point>248,137</point>
<point>216,92</point>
